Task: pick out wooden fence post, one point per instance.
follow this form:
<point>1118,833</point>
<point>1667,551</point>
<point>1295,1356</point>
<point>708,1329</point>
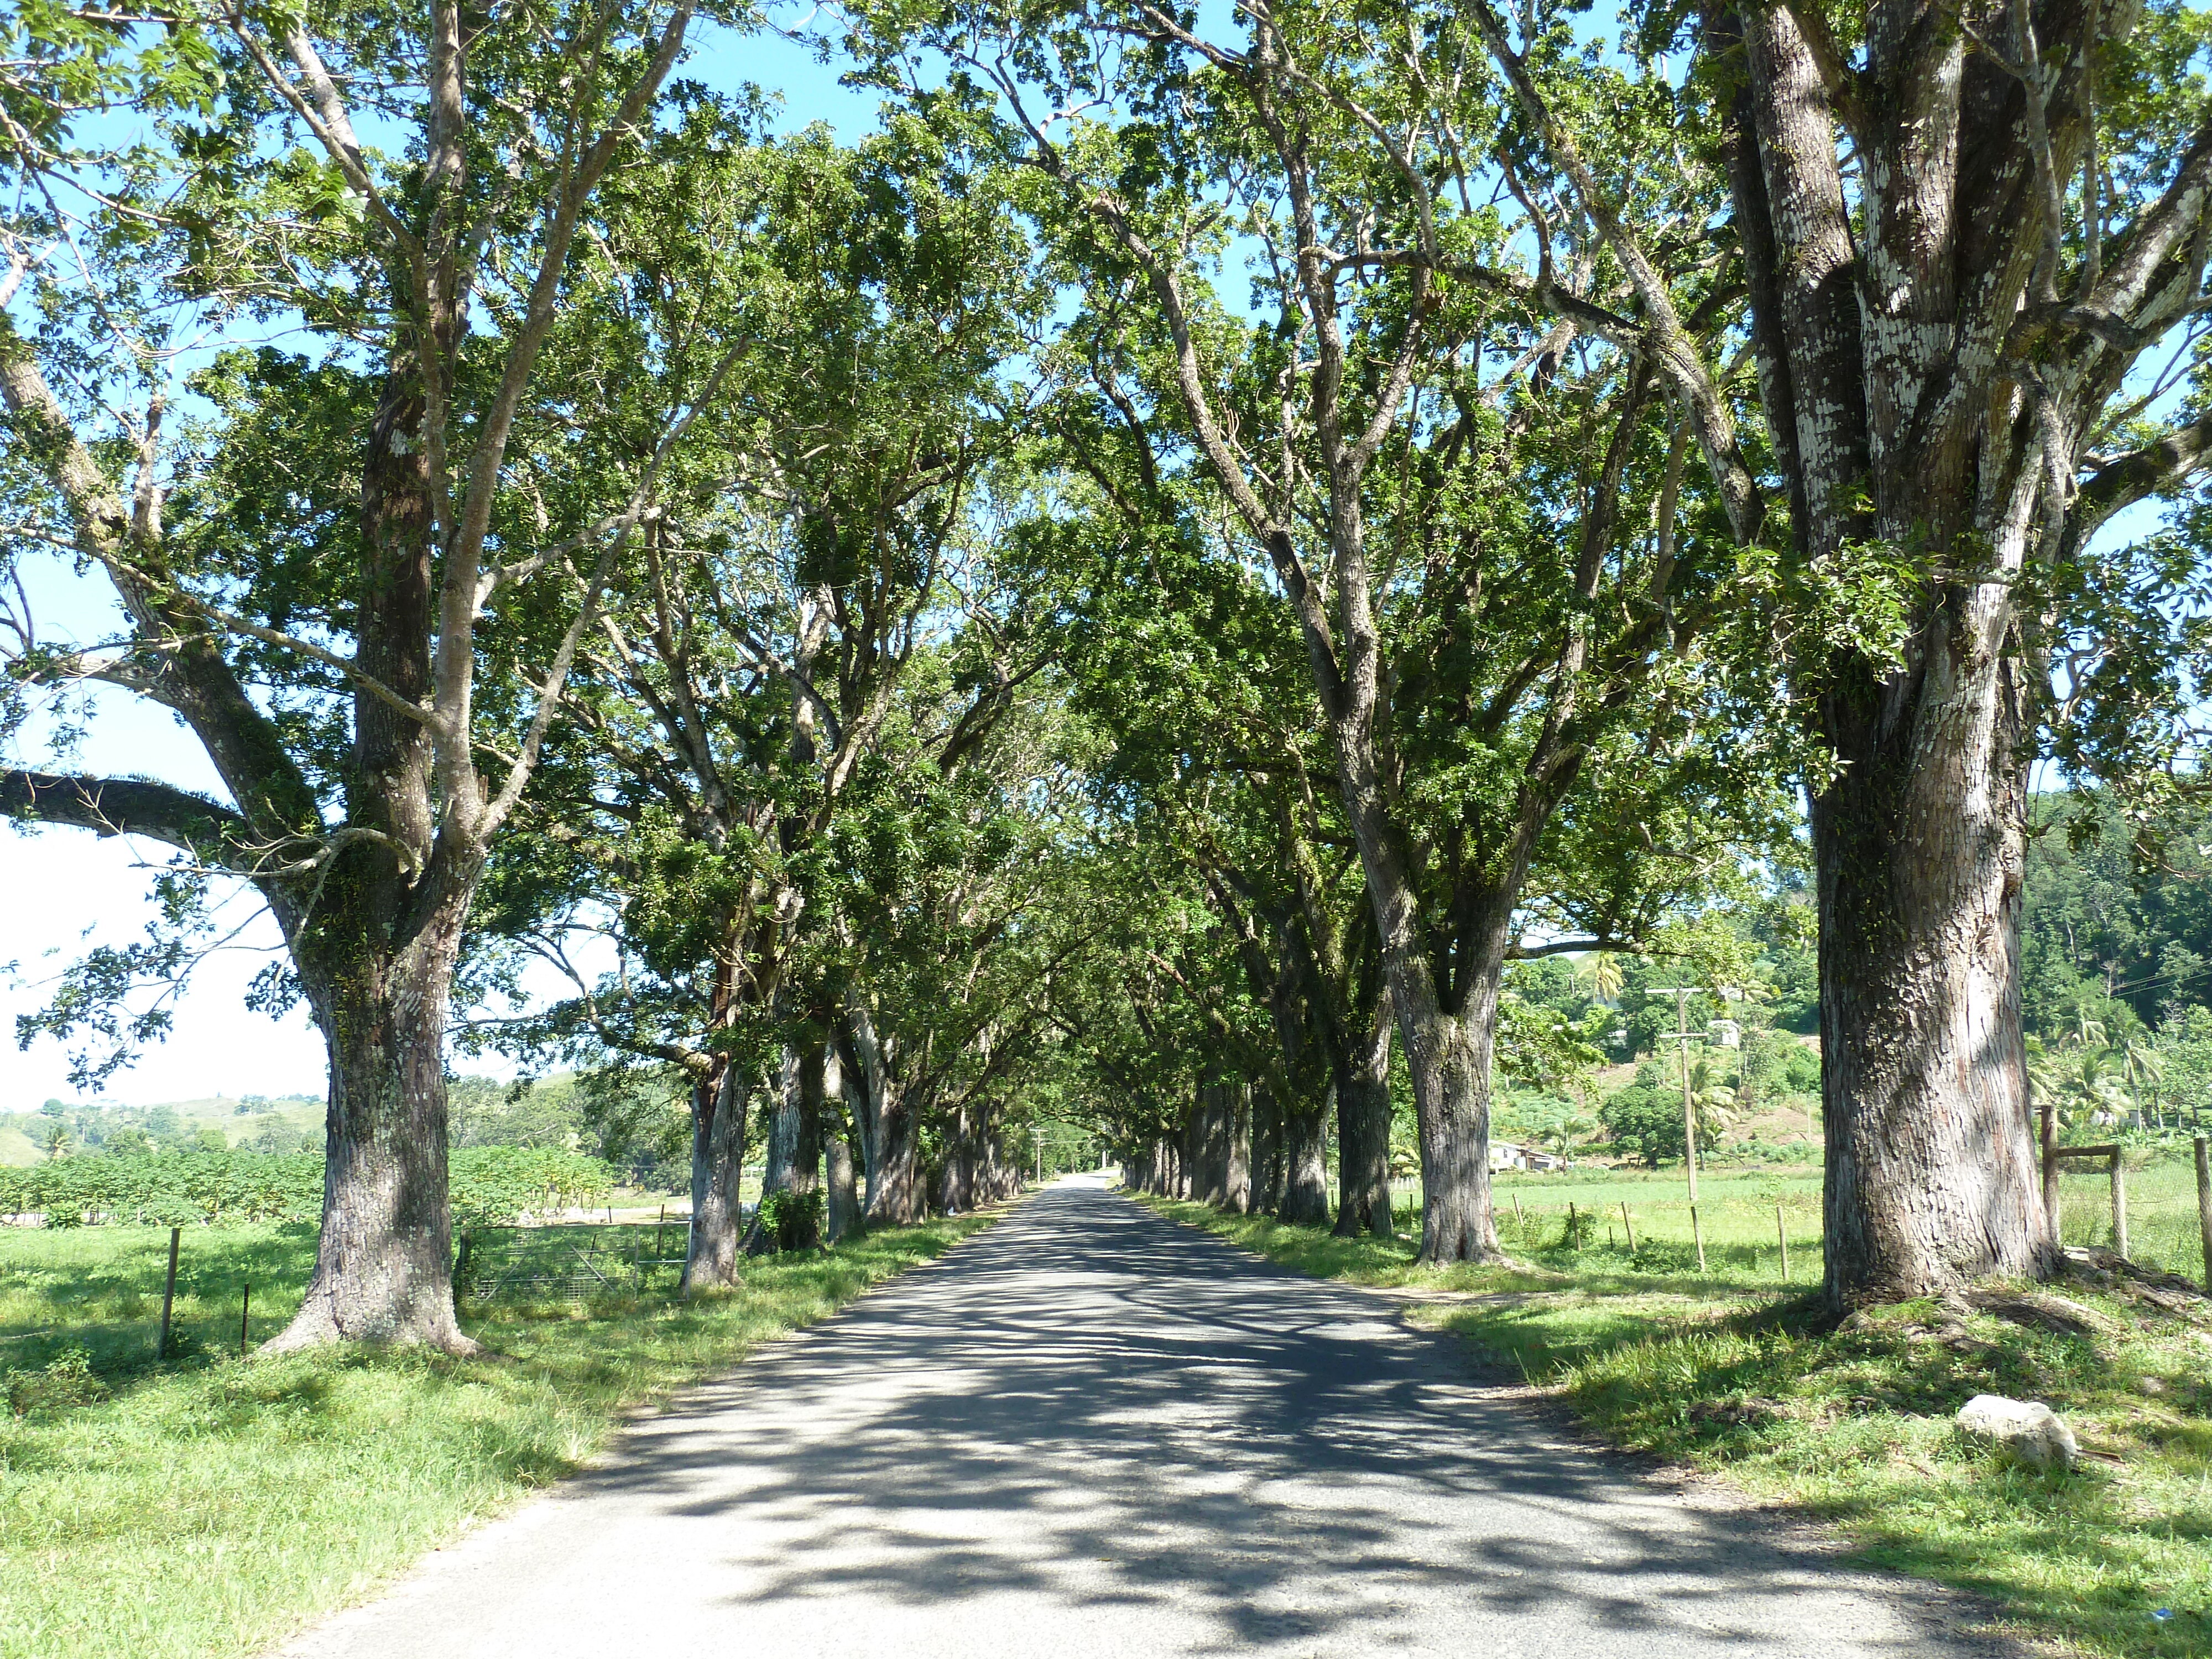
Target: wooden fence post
<point>1630,1225</point>
<point>1698,1234</point>
<point>2051,1167</point>
<point>2119,1206</point>
<point>1520,1221</point>
<point>245,1314</point>
<point>1573,1241</point>
<point>168,1296</point>
<point>2205,1208</point>
<point>1782,1233</point>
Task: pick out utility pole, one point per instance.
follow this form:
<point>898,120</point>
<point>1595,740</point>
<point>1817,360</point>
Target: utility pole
<point>1682,1038</point>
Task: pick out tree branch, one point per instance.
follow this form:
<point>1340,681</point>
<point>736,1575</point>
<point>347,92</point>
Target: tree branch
<point>121,806</point>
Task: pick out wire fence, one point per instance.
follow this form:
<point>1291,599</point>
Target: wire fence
<point>1749,1223</point>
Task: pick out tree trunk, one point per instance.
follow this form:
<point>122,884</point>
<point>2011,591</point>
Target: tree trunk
<point>1890,432</point>
<point>1449,1057</point>
<point>1303,1198</point>
<point>1209,1146</point>
<point>1362,1078</point>
<point>793,1163</point>
<point>384,1263</point>
<point>1236,1148</point>
<point>956,1190</point>
<point>862,1068</point>
<point>844,1200</point>
<point>1268,1151</point>
<point>898,1153</point>
<point>718,1157</point>
<point>841,1147</point>
<point>1932,1176</point>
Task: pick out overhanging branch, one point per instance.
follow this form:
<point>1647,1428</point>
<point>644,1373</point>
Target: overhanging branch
<point>121,806</point>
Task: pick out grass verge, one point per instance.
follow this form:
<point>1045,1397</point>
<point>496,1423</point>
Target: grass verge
<point>1733,1375</point>
<point>213,1504</point>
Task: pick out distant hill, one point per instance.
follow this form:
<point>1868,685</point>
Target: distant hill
<point>636,1121</point>
<point>17,1148</point>
<point>281,1123</point>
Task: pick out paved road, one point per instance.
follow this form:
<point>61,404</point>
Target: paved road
<point>1090,1433</point>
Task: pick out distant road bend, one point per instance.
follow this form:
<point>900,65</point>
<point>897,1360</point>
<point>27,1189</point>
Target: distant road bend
<point>1089,1432</point>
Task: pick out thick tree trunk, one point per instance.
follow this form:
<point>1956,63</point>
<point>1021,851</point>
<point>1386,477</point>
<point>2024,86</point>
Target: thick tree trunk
<point>1236,1148</point>
<point>891,1199</point>
<point>1890,432</point>
<point>1268,1151</point>
<point>379,969</point>
<point>1304,1198</point>
<point>384,1263</point>
<point>717,1157</point>
<point>862,1069</point>
<point>1449,1057</point>
<point>841,1148</point>
<point>1933,1178</point>
<point>793,1163</point>
<point>1362,1078</point>
<point>844,1197</point>
<point>956,1185</point>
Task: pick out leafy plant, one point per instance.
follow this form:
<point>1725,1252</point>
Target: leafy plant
<point>792,1218</point>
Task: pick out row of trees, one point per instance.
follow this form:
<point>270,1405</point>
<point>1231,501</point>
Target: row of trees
<point>1133,595</point>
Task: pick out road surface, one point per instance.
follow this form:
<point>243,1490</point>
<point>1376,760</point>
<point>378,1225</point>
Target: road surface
<point>1089,1431</point>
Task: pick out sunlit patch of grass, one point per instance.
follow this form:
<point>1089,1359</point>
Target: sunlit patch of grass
<point>1737,1374</point>
<point>209,1504</point>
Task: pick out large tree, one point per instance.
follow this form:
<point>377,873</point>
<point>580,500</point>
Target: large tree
<point>308,583</point>
<point>1961,231</point>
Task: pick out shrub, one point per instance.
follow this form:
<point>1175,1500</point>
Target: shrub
<point>1646,1121</point>
<point>64,1381</point>
<point>792,1219</point>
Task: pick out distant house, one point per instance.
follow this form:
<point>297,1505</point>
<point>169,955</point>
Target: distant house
<point>1511,1155</point>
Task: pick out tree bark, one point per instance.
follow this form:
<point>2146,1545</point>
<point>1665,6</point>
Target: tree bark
<point>844,1199</point>
<point>840,1126</point>
<point>383,1262</point>
<point>793,1160</point>
<point>1236,1148</point>
<point>898,1157</point>
<point>1362,1081</point>
<point>717,1157</point>
<point>1302,1167</point>
<point>1901,420</point>
<point>1932,1176</point>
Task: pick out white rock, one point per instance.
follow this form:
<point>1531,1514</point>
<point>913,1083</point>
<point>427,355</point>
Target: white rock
<point>2025,1430</point>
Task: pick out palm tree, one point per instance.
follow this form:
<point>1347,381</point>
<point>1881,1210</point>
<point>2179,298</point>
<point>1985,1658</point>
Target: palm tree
<point>1602,971</point>
<point>2087,1033</point>
<point>2093,1089</point>
<point>2144,1067</point>
<point>1561,1137</point>
<point>1713,1101</point>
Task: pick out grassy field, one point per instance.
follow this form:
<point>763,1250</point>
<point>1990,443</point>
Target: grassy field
<point>1731,1372</point>
<point>210,1504</point>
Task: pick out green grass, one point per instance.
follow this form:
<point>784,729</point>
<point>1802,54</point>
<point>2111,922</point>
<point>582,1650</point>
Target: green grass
<point>1732,1373</point>
<point>212,1505</point>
